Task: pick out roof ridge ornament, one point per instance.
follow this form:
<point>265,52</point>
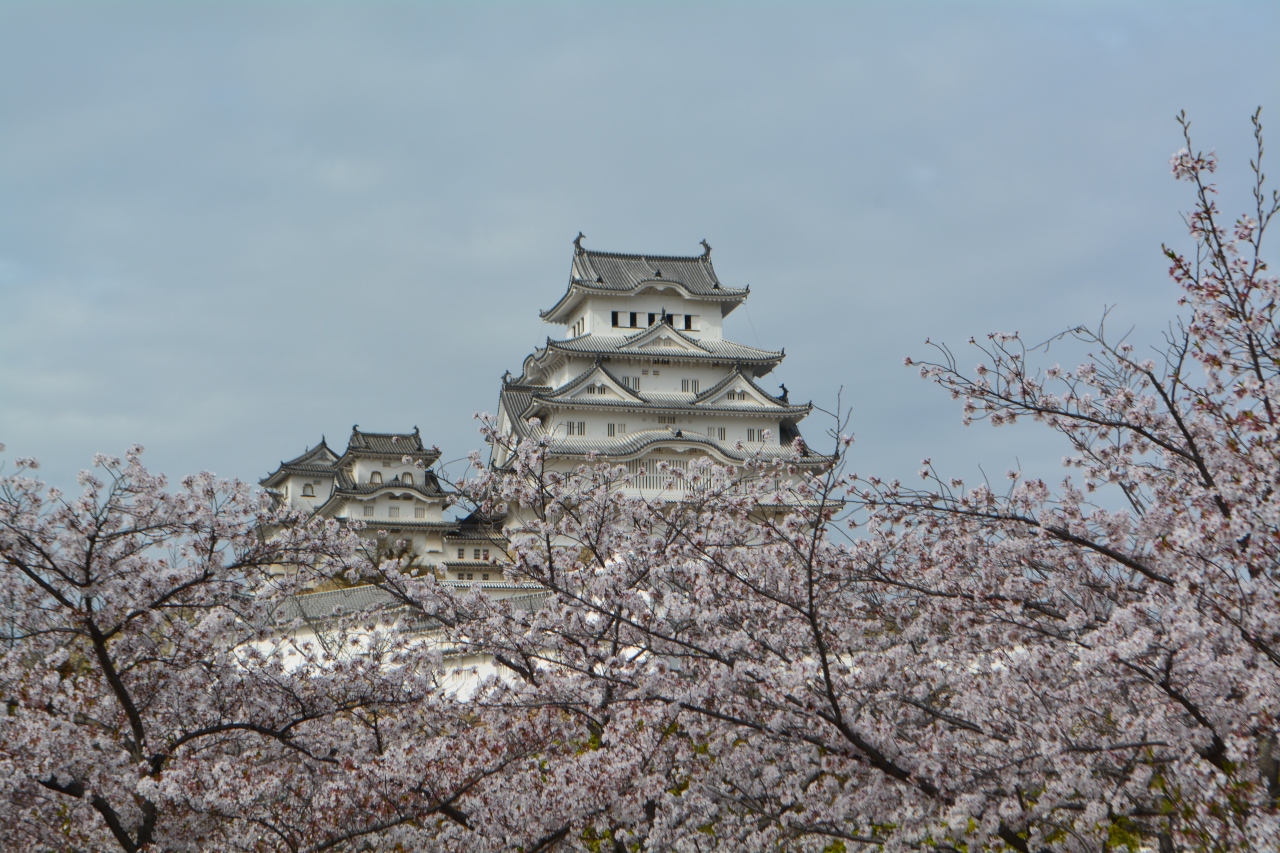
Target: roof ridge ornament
<point>706,248</point>
<point>577,243</point>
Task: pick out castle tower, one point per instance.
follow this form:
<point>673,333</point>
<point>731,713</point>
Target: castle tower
<point>644,372</point>
<point>371,482</point>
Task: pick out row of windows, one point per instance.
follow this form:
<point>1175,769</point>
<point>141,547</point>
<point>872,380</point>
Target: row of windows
<point>470,576</point>
<point>394,511</point>
<point>616,429</point>
<point>631,320</point>
<point>579,327</point>
<point>737,395</point>
<point>476,553</point>
<point>689,386</point>
<point>406,478</point>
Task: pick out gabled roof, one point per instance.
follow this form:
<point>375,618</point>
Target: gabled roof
<point>583,378</point>
<point>522,401</point>
<point>318,461</point>
<point>738,373</point>
<point>388,444</point>
<point>635,444</point>
<point>614,272</point>
<point>704,350</point>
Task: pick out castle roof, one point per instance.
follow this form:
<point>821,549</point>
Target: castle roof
<point>635,444</point>
<point>666,342</point>
<point>317,461</point>
<point>529,398</point>
<point>397,444</point>
<point>615,272</point>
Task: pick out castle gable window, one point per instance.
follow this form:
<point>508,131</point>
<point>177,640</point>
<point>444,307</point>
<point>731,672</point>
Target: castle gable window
<point>375,477</point>
<point>308,491</point>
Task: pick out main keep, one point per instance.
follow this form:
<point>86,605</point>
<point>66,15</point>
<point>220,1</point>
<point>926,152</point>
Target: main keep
<point>644,372</point>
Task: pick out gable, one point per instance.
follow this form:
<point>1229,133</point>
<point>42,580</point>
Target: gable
<point>663,337</point>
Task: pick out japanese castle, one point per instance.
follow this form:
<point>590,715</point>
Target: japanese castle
<point>643,374</point>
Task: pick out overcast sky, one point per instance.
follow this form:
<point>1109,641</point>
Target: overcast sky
<point>227,229</point>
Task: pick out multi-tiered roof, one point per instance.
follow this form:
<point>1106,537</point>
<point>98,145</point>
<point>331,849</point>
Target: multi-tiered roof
<point>372,467</point>
<point>645,366</point>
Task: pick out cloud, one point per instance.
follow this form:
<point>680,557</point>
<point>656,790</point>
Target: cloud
<point>227,229</point>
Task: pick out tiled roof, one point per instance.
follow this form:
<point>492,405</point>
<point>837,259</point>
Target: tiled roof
<point>318,461</point>
<point>713,349</point>
<point>618,271</point>
<point>388,443</point>
<point>656,400</point>
<point>400,523</point>
<point>634,443</point>
<point>578,381</point>
<point>313,606</point>
<point>738,373</point>
<point>332,604</point>
<point>615,272</point>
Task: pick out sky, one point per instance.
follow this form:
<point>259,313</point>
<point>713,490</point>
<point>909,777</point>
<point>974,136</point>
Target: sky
<point>227,229</point>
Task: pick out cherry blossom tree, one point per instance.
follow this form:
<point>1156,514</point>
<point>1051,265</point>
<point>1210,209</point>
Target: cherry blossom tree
<point>158,697</point>
<point>834,661</point>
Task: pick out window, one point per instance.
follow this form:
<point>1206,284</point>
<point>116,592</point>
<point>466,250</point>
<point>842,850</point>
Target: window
<point>666,419</point>
<point>368,511</point>
<point>407,478</point>
<point>651,316</point>
<point>632,382</point>
<point>615,319</point>
<point>462,553</point>
<point>421,511</point>
<point>393,512</point>
<point>689,386</point>
<point>737,395</point>
<point>644,373</point>
<point>751,434</point>
<point>486,553</point>
<point>475,555</point>
<point>633,319</point>
<point>715,432</point>
<point>575,428</point>
<point>375,477</point>
<point>470,575</point>
<point>485,576</point>
<point>308,491</point>
<point>610,430</point>
<point>688,322</point>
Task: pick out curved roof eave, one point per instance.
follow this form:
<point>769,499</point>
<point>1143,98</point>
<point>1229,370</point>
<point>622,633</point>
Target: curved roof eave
<point>580,289</point>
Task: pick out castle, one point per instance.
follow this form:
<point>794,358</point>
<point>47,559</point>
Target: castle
<point>643,374</point>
